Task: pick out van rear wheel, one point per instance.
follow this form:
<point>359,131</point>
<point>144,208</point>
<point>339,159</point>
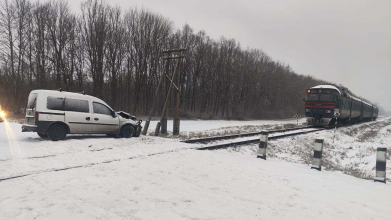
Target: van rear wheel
<point>57,132</point>
<point>42,135</point>
<point>127,131</point>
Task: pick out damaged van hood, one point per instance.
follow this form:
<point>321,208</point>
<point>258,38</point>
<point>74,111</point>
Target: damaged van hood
<point>126,115</point>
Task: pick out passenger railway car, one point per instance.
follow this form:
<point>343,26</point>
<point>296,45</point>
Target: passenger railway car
<point>323,101</point>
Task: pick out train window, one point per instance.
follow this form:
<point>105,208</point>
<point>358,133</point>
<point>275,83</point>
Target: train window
<point>326,97</point>
<point>312,97</point>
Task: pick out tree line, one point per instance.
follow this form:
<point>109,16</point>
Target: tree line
<point>116,55</point>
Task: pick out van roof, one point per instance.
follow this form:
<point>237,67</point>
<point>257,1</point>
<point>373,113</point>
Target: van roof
<point>64,93</point>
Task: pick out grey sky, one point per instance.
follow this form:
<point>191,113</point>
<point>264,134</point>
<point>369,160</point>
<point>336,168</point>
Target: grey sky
<point>343,41</point>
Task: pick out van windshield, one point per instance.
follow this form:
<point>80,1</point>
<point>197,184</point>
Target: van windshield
<point>32,101</point>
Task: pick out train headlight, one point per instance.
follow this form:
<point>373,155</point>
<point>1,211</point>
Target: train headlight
<point>328,111</point>
<point>2,114</point>
<point>308,110</point>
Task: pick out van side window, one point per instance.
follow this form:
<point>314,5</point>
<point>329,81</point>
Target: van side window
<point>101,109</point>
<point>55,103</point>
<point>76,105</point>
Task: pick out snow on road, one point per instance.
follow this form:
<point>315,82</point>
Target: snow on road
<point>26,153</point>
<point>159,178</point>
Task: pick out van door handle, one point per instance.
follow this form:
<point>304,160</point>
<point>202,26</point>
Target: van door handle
<point>96,119</point>
<point>88,118</point>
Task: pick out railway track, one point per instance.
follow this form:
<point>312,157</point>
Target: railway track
<point>209,139</point>
<point>273,134</point>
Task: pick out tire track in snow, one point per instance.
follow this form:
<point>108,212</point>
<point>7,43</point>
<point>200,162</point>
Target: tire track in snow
<point>92,164</point>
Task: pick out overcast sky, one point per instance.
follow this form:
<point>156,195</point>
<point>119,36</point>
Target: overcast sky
<point>342,41</point>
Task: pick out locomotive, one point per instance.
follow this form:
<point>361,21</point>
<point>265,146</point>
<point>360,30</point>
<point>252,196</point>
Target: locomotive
<point>326,104</point>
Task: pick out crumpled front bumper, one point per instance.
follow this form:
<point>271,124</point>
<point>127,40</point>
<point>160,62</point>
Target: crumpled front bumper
<point>139,128</point>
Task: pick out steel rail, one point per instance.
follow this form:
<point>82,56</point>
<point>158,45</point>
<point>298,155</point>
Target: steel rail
<point>208,139</point>
<point>252,141</point>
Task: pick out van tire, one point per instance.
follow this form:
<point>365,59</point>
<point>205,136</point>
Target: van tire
<point>127,131</point>
<point>42,135</point>
<point>57,132</point>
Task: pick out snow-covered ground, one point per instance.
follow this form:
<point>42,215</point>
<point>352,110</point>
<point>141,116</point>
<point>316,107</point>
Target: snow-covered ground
<point>96,177</point>
<point>25,153</point>
<point>353,151</point>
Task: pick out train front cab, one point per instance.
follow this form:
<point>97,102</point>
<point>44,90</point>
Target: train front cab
<point>321,105</point>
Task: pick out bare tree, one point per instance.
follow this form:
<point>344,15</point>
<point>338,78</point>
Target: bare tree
<point>118,57</point>
<point>61,27</point>
<point>94,21</point>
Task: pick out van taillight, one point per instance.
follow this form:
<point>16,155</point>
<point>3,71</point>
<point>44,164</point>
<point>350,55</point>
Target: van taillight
<point>36,116</point>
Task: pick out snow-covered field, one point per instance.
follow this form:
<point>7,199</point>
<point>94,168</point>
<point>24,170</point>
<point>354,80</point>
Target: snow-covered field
<point>96,177</point>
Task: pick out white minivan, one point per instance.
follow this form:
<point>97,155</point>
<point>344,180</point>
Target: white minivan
<point>55,113</point>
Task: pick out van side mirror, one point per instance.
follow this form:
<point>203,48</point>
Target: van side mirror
<point>113,114</point>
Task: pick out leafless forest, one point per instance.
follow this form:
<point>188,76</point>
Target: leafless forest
<point>116,54</point>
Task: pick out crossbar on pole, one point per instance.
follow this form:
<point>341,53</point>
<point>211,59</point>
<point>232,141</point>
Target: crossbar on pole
<point>170,81</point>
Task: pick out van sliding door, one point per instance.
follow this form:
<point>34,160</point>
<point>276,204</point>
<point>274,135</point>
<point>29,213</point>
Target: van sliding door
<point>78,115</point>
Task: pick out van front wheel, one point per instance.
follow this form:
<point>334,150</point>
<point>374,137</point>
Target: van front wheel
<point>57,132</point>
<point>127,131</point>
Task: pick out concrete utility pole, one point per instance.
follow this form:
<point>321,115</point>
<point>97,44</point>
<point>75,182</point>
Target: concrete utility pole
<point>164,120</point>
<point>162,124</point>
<point>178,99</point>
<point>146,126</point>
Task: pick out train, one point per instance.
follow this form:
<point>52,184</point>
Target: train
<point>326,105</point>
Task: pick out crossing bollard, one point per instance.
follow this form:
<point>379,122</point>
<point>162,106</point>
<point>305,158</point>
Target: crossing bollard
<point>297,116</point>
<point>263,145</point>
<point>318,150</point>
<point>381,158</point>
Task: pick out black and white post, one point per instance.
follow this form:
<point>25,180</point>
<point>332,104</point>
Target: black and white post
<point>381,158</point>
<point>263,145</point>
<point>297,116</point>
<point>318,150</point>
<point>336,123</point>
